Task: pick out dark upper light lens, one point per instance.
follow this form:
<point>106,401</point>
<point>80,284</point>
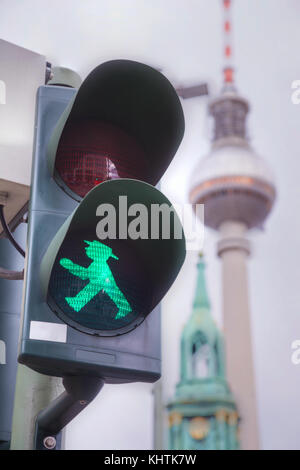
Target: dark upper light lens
<point>90,152</point>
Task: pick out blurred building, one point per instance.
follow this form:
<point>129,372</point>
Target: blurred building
<point>203,414</point>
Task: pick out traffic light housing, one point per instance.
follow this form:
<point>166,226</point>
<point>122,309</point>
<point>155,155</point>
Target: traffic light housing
<point>91,305</point>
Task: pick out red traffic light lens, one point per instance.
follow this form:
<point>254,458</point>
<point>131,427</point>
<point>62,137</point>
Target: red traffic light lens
<point>90,152</point>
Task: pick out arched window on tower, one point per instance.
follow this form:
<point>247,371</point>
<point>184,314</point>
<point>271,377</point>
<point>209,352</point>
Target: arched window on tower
<point>219,356</point>
<point>203,361</point>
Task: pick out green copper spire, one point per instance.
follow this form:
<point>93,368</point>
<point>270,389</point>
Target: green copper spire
<point>203,413</point>
<point>201,297</point>
<point>201,340</point>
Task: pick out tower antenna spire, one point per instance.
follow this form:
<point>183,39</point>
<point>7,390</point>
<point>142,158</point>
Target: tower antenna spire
<point>228,50</point>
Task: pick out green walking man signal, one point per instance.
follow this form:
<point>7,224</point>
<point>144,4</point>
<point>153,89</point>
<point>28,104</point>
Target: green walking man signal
<point>100,278</point>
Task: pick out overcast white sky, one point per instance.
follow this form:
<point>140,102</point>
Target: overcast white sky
<point>183,38</point>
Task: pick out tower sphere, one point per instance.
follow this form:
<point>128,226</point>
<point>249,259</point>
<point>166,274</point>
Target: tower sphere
<point>232,182</point>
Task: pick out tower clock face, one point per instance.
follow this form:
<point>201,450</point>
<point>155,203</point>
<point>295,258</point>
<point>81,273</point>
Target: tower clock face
<point>199,428</point>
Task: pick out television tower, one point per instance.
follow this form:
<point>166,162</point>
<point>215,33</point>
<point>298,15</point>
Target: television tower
<point>238,192</point>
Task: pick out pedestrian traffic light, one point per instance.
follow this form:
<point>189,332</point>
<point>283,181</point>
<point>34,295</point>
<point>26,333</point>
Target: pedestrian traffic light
<point>104,245</point>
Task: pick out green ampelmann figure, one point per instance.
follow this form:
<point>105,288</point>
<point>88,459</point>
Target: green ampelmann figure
<point>100,277</point>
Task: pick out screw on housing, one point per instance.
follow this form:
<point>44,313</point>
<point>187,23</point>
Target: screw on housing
<point>49,442</point>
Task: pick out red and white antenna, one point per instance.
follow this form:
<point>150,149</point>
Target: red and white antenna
<point>227,27</point>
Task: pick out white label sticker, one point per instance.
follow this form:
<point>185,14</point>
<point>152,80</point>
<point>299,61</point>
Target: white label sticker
<point>45,331</point>
<point>2,92</point>
<point>2,352</point>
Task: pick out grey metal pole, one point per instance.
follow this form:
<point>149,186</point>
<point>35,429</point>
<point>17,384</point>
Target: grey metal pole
<point>10,307</point>
<point>159,414</point>
<point>33,393</point>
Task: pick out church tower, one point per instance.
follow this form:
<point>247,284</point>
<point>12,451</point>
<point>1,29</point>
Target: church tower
<point>203,414</point>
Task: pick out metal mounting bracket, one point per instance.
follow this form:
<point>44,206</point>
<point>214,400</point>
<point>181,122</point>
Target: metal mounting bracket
<point>79,392</point>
